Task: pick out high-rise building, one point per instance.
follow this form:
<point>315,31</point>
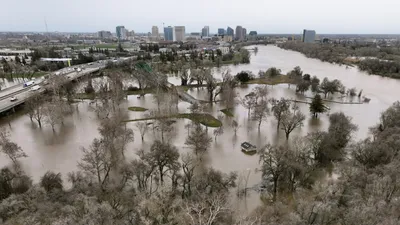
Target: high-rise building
<point>179,33</point>
<point>308,36</point>
<point>229,32</point>
<point>244,31</point>
<point>104,34</point>
<point>121,32</point>
<point>169,33</point>
<point>154,31</point>
<point>239,33</point>
<point>221,31</point>
<point>205,32</point>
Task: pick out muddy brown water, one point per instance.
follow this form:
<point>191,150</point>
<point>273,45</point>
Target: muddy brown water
<point>60,151</point>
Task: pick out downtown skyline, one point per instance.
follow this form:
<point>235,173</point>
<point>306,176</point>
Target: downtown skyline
<point>290,16</point>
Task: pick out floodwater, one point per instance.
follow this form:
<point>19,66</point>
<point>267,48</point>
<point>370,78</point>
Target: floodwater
<point>60,151</point>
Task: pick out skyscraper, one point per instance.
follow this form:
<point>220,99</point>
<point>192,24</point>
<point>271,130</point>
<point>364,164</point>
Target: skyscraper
<point>239,33</point>
<point>154,31</point>
<point>308,36</point>
<point>121,32</point>
<point>244,31</point>
<point>205,32</point>
<point>221,31</point>
<point>229,32</point>
<point>169,33</point>
<point>179,33</point>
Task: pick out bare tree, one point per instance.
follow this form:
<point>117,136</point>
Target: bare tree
<point>11,149</point>
<point>189,164</point>
<point>273,160</point>
<point>143,128</point>
<point>97,161</point>
<point>235,126</point>
<point>291,120</point>
<point>279,107</point>
<point>218,132</point>
<point>164,157</point>
<point>198,140</point>
<point>260,112</point>
<point>206,211</point>
<point>249,101</point>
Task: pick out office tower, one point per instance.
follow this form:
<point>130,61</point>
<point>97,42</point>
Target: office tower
<point>205,32</point>
<point>169,33</point>
<point>121,32</point>
<point>308,36</point>
<point>154,31</point>
<point>229,32</point>
<point>179,33</point>
<point>221,31</point>
<point>239,33</point>
<point>244,31</point>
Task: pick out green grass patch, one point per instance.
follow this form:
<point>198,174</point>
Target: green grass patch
<point>205,119</point>
<point>85,96</point>
<point>227,112</point>
<point>137,109</point>
<point>280,79</point>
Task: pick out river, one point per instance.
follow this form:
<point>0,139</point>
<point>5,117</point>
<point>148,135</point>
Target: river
<point>61,151</point>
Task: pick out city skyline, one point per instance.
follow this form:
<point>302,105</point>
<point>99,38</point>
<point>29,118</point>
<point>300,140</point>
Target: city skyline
<point>286,17</point>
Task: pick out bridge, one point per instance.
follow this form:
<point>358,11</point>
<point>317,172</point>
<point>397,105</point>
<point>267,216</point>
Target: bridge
<point>22,93</point>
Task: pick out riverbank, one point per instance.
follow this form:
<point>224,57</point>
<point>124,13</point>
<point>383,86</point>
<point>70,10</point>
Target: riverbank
<point>376,62</point>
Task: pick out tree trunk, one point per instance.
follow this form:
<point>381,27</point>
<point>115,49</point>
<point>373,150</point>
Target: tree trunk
<point>40,123</point>
<point>287,135</point>
<point>275,189</point>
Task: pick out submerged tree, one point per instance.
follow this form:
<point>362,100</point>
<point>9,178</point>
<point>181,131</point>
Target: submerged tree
<point>279,107</point>
<point>260,112</point>
<point>291,120</point>
<point>198,140</point>
<point>317,106</point>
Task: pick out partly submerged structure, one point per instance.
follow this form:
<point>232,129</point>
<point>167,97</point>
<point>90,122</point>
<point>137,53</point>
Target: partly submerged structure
<point>248,148</point>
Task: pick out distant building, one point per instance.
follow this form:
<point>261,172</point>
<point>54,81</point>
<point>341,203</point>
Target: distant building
<point>252,35</point>
<point>195,34</point>
<point>239,33</point>
<point>104,34</point>
<point>244,31</point>
<point>168,33</point>
<point>179,33</point>
<point>221,31</point>
<point>308,36</point>
<point>227,38</point>
<point>154,32</point>
<point>230,32</point>
<point>121,32</point>
<point>205,32</point>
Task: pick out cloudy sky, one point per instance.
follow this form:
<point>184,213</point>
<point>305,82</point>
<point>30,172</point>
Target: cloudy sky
<point>264,16</point>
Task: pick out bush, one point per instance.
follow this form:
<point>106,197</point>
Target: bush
<point>244,76</point>
<point>132,88</point>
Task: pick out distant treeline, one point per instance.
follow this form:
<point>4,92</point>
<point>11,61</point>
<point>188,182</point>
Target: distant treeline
<point>386,61</point>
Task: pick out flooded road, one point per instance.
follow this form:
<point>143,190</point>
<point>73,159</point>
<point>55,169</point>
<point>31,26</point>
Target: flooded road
<point>60,151</point>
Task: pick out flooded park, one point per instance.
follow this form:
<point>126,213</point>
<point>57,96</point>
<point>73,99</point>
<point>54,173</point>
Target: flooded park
<point>61,150</point>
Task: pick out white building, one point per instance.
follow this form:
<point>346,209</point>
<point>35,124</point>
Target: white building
<point>154,32</point>
<point>179,33</point>
<point>224,50</point>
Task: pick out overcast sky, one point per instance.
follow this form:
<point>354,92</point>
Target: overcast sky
<point>264,16</point>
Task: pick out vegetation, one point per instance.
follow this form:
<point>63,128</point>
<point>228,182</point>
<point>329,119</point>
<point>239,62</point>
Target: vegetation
<point>227,112</point>
<point>385,61</point>
<point>205,119</point>
<point>137,109</point>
